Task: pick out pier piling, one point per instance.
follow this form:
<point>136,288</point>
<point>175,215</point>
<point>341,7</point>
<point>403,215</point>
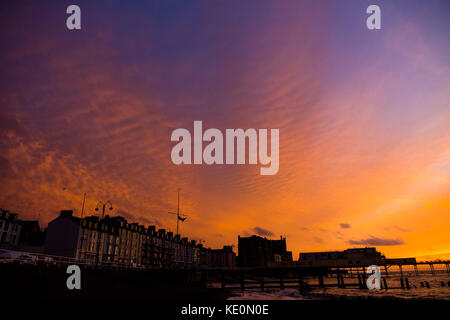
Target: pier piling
<point>432,268</point>
<point>407,283</point>
<point>360,282</point>
<point>342,282</point>
<point>385,283</point>
<point>321,281</point>
<point>300,283</point>
<point>364,283</point>
<point>338,278</point>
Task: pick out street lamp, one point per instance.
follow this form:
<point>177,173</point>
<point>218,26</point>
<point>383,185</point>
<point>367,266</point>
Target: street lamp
<point>80,240</point>
<point>103,205</point>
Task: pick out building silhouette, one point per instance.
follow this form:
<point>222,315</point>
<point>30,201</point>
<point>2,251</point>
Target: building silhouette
<point>349,257</point>
<point>113,240</point>
<point>224,257</point>
<point>10,228</point>
<point>32,238</point>
<point>262,252</point>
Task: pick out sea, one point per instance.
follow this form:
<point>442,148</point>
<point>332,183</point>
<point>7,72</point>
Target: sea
<point>439,289</point>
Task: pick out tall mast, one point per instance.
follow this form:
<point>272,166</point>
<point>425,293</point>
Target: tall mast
<point>178,213</point>
<point>178,209</point>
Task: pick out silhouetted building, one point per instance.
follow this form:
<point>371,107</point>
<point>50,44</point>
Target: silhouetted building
<point>62,235</point>
<point>349,257</point>
<point>113,240</point>
<point>258,251</point>
<point>164,249</point>
<point>217,258</point>
<point>10,228</point>
<point>32,238</point>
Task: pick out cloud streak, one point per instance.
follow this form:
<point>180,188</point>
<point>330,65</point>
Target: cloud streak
<point>375,241</point>
<point>262,232</point>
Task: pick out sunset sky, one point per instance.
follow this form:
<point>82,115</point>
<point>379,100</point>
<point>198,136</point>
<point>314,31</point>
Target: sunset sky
<point>364,117</point>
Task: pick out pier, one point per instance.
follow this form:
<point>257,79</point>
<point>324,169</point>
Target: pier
<point>307,277</point>
<point>48,279</point>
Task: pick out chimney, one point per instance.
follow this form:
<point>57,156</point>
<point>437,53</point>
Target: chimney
<point>66,213</point>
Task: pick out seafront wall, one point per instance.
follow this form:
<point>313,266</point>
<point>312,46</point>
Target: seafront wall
<point>49,282</point>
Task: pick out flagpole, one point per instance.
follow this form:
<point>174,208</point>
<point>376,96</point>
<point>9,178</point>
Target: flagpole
<point>178,209</point>
<point>178,213</point>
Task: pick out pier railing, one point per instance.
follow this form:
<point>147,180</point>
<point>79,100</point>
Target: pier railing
<point>308,277</point>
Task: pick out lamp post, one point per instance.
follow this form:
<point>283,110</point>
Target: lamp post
<point>80,240</point>
<point>103,205</point>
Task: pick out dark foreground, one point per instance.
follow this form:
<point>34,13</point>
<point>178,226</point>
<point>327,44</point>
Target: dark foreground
<point>168,293</point>
<point>47,282</point>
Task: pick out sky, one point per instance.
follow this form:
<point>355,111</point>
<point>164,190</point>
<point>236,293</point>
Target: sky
<point>363,116</point>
